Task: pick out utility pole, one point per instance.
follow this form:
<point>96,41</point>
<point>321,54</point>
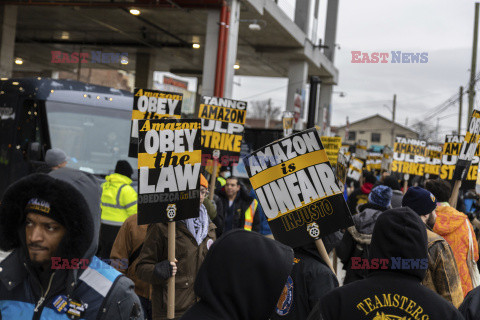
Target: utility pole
<point>460,101</point>
<point>268,113</point>
<point>471,87</point>
<point>393,118</point>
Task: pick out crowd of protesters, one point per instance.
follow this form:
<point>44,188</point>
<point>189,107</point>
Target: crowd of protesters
<point>409,254</point>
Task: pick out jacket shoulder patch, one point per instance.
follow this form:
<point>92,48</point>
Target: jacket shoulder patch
<point>284,304</point>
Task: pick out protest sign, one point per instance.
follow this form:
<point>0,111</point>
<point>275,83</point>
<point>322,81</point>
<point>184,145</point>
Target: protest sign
<point>297,189</point>
<point>342,167</point>
<point>287,123</point>
<point>450,153</point>
<point>169,162</point>
<point>223,123</point>
<point>387,158</point>
<point>355,169</point>
<point>468,148</point>
<point>332,147</point>
<point>433,161</point>
<point>152,104</point>
<point>409,156</point>
<point>361,150</point>
<point>374,161</point>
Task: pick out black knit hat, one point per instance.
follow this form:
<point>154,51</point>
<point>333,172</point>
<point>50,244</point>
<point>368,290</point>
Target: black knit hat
<point>124,168</point>
<point>419,200</point>
<point>38,192</point>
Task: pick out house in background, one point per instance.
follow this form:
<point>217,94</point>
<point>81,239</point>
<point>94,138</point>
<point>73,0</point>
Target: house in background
<point>376,129</point>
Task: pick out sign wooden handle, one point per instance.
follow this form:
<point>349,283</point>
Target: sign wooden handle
<point>454,197</point>
<point>171,280</point>
<point>323,253</point>
<point>405,186</point>
<point>213,179</point>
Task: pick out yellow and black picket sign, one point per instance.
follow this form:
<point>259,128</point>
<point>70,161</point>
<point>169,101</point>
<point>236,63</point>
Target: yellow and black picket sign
<point>223,123</point>
<point>355,169</point>
<point>297,189</point>
<point>450,153</point>
<point>374,161</point>
<point>342,167</point>
<point>409,156</point>
<point>332,146</point>
<point>152,104</point>
<point>433,161</point>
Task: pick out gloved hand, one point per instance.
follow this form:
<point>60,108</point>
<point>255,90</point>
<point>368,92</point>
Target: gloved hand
<point>165,269</point>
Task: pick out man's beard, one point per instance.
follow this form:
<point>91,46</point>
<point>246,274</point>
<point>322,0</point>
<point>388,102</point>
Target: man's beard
<point>430,221</point>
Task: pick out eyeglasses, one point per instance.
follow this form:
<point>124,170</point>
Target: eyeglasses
<point>204,193</point>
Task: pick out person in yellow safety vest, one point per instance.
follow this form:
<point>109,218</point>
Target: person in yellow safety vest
<point>223,175</point>
<point>118,202</point>
<point>237,208</point>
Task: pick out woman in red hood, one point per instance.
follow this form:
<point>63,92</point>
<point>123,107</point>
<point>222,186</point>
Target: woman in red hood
<point>454,227</point>
<point>360,195</point>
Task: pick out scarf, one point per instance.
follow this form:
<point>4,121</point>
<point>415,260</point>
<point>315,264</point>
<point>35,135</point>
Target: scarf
<point>198,227</point>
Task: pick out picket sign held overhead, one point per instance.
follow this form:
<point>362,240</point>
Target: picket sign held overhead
<point>468,151</point>
<point>433,161</point>
<point>387,158</point>
<point>374,161</point>
<point>361,150</point>
<point>332,147</point>
<point>169,163</point>
<point>355,169</point>
<point>152,104</point>
<point>342,167</point>
<point>409,156</point>
<point>450,153</point>
<point>297,189</point>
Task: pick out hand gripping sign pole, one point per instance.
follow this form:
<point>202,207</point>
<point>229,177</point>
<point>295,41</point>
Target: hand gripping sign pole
<point>171,280</point>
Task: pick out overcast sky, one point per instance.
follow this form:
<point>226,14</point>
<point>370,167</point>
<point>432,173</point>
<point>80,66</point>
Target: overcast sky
<point>443,28</point>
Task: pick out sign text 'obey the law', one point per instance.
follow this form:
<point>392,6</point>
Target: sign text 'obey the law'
<point>169,163</point>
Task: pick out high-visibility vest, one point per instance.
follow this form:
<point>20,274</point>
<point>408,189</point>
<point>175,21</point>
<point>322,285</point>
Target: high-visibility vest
<point>119,200</point>
<point>250,214</point>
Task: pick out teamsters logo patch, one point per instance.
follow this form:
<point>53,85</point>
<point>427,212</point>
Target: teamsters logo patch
<point>171,211</point>
<point>284,304</point>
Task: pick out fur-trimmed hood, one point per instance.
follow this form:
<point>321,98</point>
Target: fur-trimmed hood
<point>63,197</point>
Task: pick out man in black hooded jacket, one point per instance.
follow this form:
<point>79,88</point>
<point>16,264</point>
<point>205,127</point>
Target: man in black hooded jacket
<point>51,272</point>
<point>396,292</point>
<point>241,278</point>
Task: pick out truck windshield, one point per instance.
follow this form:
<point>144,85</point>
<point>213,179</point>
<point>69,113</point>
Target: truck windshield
<point>94,138</point>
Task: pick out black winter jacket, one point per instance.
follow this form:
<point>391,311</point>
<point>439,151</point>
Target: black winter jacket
<point>310,280</point>
<point>395,292</point>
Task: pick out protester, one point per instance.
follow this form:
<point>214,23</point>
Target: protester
<point>242,278</point>
<point>124,255</point>
<point>454,227</point>
<point>397,194</point>
<point>360,195</point>
<point>192,241</point>
<point>310,280</point>
<point>48,225</point>
<point>56,158</point>
<point>442,273</point>
<point>356,240</point>
<point>239,209</point>
<point>119,201</point>
<point>400,241</point>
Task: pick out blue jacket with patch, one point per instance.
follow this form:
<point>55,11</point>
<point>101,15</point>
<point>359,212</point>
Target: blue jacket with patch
<point>100,291</point>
